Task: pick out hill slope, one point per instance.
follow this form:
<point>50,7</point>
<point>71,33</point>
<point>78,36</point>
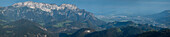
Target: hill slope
<point>23,28</point>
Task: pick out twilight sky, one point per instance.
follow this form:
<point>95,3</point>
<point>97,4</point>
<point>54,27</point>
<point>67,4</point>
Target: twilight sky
<point>104,7</point>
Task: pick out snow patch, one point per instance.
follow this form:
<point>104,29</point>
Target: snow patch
<point>80,13</point>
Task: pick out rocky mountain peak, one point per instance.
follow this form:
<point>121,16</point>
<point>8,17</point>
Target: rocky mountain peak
<point>44,6</point>
<point>69,6</point>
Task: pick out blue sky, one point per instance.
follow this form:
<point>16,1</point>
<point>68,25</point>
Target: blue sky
<point>103,7</point>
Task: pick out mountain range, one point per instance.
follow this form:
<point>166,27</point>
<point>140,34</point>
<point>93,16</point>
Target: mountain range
<point>51,16</point>
<point>32,19</point>
<point>159,19</point>
<point>162,18</point>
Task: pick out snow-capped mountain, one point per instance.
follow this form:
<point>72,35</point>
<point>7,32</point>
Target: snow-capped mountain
<point>26,8</point>
<point>44,6</point>
<point>56,16</point>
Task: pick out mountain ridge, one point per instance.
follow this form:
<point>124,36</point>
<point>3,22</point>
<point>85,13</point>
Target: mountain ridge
<point>44,6</point>
<point>58,17</point>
